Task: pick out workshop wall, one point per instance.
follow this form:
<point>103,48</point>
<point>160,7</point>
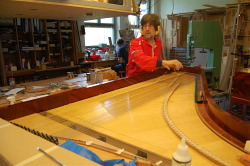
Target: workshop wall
<point>181,6</point>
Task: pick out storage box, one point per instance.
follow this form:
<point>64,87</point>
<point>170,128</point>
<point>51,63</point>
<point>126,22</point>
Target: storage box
<point>13,68</point>
<point>98,75</point>
<point>43,66</point>
<point>95,57</point>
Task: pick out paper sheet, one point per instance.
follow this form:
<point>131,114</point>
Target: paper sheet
<point>13,91</point>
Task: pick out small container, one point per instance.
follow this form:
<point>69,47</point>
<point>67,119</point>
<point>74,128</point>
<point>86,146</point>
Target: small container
<point>70,75</point>
<point>43,66</point>
<point>182,157</point>
<point>88,76</point>
<point>12,82</point>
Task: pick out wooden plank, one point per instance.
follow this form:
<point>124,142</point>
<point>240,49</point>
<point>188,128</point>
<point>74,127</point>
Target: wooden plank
<point>20,147</point>
<point>103,150</point>
<point>3,70</point>
<point>70,10</point>
<point>213,6</point>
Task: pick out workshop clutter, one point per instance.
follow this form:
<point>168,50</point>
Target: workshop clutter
<point>101,75</point>
<point>100,53</point>
<point>95,57</point>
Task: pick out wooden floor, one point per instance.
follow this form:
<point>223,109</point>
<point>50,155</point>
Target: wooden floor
<point>135,115</point>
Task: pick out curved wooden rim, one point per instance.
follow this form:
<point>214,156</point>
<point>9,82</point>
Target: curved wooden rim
<point>227,126</point>
<point>56,100</point>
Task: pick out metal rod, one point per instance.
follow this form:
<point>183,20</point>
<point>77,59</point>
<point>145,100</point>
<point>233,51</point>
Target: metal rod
<point>50,156</point>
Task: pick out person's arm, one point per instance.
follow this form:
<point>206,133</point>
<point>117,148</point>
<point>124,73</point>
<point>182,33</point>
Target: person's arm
<point>139,58</point>
<point>120,52</point>
<point>120,59</point>
<point>173,64</point>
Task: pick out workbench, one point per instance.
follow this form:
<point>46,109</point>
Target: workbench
<point>50,72</point>
<point>45,87</point>
<point>96,64</point>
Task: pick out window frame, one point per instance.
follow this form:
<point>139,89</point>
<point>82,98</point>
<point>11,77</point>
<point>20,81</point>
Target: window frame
<point>102,25</point>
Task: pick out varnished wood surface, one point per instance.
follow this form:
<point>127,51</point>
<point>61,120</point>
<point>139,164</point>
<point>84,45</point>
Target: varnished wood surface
<point>19,147</point>
<point>226,121</point>
<point>42,104</point>
<point>3,73</point>
<point>134,115</point>
<point>45,89</point>
<point>103,150</point>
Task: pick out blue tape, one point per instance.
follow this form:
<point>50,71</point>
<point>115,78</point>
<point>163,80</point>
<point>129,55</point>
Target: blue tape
<point>84,152</point>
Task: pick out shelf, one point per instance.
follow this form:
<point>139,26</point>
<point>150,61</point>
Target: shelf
<point>69,10</point>
<point>59,68</point>
<point>35,47</point>
<point>6,32</point>
<point>21,72</point>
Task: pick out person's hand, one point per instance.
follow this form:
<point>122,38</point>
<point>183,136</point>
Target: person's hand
<point>172,64</point>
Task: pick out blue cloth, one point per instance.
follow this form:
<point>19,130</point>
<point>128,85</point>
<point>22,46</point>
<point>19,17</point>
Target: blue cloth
<point>84,152</point>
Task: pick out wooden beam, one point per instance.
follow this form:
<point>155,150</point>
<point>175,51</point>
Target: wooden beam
<point>3,71</point>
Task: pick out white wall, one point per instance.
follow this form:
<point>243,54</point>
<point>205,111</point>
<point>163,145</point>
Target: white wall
<point>183,6</point>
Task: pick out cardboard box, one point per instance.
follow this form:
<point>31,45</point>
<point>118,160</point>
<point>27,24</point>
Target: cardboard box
<point>98,75</point>
<point>43,66</point>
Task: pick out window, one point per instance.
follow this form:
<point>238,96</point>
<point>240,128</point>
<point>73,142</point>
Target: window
<point>98,31</point>
<point>144,9</point>
<point>91,21</point>
<point>97,35</point>
<point>135,25</point>
<point>107,20</point>
<point>134,21</point>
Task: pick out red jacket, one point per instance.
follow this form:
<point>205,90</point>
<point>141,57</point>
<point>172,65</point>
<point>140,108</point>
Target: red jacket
<point>143,57</point>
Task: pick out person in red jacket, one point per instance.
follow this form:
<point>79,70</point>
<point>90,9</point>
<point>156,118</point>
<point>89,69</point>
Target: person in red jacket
<point>145,51</point>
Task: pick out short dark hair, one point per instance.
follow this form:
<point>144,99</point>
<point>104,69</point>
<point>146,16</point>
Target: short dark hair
<point>120,41</point>
<point>153,19</point>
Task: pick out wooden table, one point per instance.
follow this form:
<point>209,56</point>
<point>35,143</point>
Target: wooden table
<point>45,87</point>
<point>43,72</point>
<point>95,64</point>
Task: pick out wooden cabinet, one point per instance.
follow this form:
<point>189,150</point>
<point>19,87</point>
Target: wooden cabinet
<point>41,50</point>
<point>66,37</point>
<point>25,43</point>
<point>9,44</point>
<point>28,43</point>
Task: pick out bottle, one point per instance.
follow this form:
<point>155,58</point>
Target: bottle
<point>107,55</point>
<point>181,157</point>
<point>29,65</point>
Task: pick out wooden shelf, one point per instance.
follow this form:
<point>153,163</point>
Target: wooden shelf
<point>21,72</point>
<point>59,68</point>
<point>69,10</point>
<point>34,45</point>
